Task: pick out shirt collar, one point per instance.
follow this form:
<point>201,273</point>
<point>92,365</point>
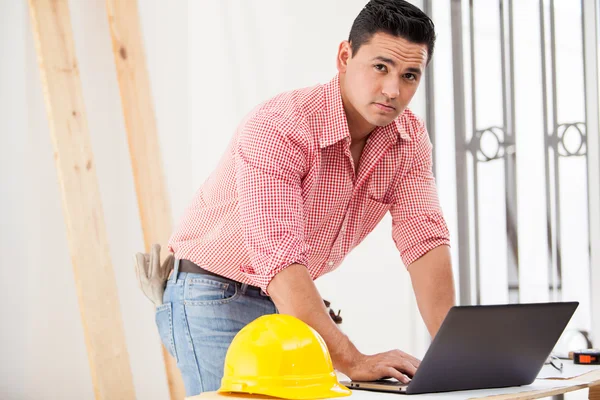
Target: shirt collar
<point>336,125</point>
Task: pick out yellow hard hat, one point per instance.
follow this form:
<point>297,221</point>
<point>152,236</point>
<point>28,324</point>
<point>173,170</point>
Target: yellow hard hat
<point>279,355</point>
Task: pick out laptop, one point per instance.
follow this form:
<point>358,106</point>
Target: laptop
<point>484,347</point>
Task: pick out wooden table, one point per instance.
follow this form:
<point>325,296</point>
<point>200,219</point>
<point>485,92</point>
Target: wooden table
<point>590,380</point>
<point>594,385</point>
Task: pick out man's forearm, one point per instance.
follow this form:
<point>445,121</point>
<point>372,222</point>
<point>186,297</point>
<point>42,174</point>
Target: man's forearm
<point>433,284</point>
<point>294,293</point>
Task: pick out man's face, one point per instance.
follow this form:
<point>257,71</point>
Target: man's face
<point>381,78</point>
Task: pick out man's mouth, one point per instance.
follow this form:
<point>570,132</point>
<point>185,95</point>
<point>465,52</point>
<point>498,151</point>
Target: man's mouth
<point>385,107</point>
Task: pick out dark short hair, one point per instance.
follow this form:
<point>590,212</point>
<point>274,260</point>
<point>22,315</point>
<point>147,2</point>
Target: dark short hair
<point>394,17</point>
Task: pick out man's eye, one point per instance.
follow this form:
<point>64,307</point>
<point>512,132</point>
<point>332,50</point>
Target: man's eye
<point>381,67</point>
<point>410,77</point>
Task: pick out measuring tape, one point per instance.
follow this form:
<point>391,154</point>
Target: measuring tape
<point>587,357</point>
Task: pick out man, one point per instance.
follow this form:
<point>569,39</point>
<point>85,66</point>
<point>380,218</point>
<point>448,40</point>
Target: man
<point>306,177</point>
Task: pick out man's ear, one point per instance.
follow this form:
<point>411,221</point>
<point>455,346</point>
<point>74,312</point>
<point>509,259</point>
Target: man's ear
<point>344,54</point>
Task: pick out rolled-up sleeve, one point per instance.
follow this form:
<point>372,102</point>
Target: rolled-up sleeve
<point>269,171</point>
<point>418,224</point>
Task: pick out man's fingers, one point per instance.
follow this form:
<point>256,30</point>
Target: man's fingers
<point>415,361</point>
<point>405,356</point>
<point>394,373</point>
<point>403,365</point>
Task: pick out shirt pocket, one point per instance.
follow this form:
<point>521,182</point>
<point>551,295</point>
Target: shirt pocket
<point>375,205</point>
<point>382,187</point>
<point>374,210</point>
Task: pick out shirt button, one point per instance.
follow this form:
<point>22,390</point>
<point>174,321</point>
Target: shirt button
<point>330,263</point>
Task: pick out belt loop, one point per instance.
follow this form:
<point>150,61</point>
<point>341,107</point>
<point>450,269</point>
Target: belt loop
<point>243,288</point>
<point>175,271</point>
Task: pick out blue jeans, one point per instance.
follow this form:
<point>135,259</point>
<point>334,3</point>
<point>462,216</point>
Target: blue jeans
<point>198,320</point>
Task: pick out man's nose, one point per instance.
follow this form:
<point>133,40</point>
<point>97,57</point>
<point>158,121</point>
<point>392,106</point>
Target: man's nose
<point>391,89</point>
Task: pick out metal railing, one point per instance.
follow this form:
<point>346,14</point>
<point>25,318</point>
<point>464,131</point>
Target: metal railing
<point>470,154</point>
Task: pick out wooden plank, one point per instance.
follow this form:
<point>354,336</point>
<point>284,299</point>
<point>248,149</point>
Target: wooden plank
<point>144,149</point>
<point>84,220</point>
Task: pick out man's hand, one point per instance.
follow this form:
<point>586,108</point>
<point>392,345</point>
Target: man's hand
<point>391,364</point>
<point>152,275</point>
<point>294,293</point>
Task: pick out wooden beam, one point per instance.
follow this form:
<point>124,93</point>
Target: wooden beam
<point>144,149</point>
<point>84,220</point>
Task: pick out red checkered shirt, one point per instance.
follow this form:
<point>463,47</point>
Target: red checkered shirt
<point>286,191</point>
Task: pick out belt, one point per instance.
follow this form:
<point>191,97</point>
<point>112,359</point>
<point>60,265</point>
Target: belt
<point>193,268</point>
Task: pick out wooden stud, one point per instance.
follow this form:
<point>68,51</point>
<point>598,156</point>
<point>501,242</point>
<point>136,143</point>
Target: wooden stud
<point>140,122</point>
<point>94,275</point>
